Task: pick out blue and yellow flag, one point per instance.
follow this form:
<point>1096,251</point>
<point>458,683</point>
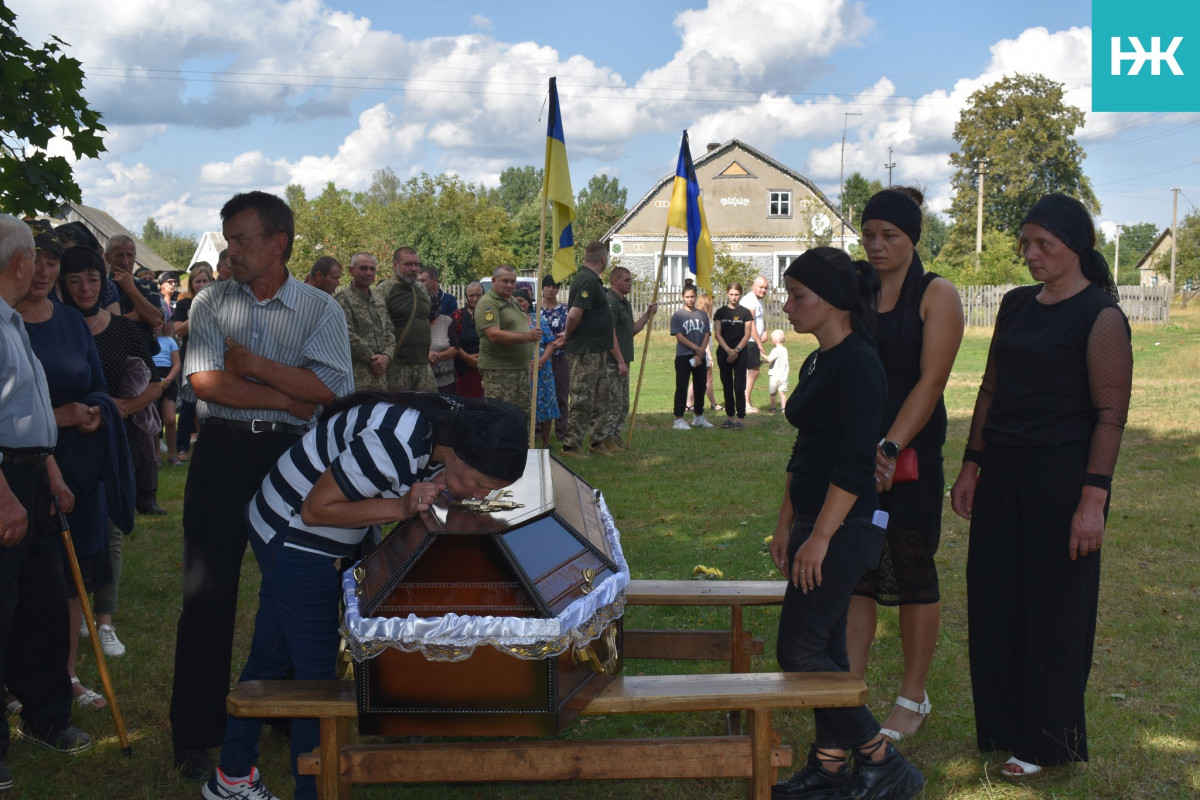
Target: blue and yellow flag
<point>687,213</point>
<point>556,189</point>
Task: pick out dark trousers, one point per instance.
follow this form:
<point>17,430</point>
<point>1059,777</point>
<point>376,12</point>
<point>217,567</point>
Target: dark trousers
<point>295,635</point>
<point>226,470</point>
<point>812,626</point>
<point>33,611</point>
<point>1031,610</point>
<point>733,382</point>
<point>561,366</point>
<point>684,371</point>
<point>144,449</point>
<point>185,428</point>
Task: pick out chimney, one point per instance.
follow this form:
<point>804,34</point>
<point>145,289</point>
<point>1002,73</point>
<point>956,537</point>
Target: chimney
<point>713,146</point>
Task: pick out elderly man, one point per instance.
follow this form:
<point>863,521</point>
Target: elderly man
<point>590,339</point>
<point>33,599</point>
<point>625,327</point>
<point>264,351</point>
<point>138,300</point>
<point>444,302</point>
<point>757,345</point>
<point>326,274</point>
<point>407,305</point>
<point>372,338</point>
<point>505,342</point>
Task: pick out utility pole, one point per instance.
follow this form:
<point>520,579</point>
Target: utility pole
<point>981,167</point>
<point>889,166</point>
<point>1174,236</point>
<point>842,178</point>
<point>1117,255</point>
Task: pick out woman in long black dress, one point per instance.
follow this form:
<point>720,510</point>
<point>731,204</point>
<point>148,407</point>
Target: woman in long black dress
<point>829,531</point>
<point>1035,484</point>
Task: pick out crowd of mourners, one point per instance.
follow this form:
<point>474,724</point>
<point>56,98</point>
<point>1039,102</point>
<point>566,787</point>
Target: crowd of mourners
<point>314,411</point>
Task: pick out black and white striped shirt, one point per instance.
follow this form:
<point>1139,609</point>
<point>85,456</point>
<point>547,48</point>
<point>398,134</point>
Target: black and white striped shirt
<point>299,326</point>
<point>377,449</point>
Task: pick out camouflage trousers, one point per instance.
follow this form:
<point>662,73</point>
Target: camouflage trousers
<point>509,385</point>
<point>589,399</point>
<point>618,401</point>
<point>410,378</point>
<point>365,379</point>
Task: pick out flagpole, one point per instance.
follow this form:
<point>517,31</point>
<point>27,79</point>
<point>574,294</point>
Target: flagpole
<point>538,319</point>
<point>649,329</point>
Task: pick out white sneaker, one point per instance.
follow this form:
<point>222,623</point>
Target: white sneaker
<point>162,446</point>
<point>109,642</point>
<point>83,629</point>
<point>701,422</point>
<point>220,788</point>
<point>681,425</point>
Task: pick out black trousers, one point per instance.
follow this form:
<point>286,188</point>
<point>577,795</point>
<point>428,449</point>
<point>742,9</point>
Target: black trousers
<point>684,372</point>
<point>226,470</point>
<point>733,382</point>
<point>33,611</point>
<point>1031,610</point>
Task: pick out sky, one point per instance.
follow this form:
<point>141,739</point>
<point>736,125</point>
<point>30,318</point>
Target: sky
<point>203,99</point>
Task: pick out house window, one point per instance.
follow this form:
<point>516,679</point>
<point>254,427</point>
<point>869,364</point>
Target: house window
<point>782,261</point>
<point>675,271</point>
<point>779,204</point>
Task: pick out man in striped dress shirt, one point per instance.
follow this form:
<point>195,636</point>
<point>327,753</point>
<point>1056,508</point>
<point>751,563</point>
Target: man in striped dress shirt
<point>264,352</point>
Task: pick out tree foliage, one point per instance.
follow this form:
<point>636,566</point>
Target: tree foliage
<point>857,191</point>
<point>1025,131</point>
<point>598,207</point>
<point>999,264</point>
<point>40,97</point>
<point>1187,257</point>
<point>1136,241</point>
<point>728,268</point>
<point>176,249</point>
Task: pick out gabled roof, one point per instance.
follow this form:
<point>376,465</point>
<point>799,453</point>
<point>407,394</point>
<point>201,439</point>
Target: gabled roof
<point>1152,253</point>
<point>719,152</point>
<point>105,228</point>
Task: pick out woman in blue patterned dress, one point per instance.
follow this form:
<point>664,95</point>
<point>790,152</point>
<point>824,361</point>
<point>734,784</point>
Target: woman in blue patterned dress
<point>547,395</point>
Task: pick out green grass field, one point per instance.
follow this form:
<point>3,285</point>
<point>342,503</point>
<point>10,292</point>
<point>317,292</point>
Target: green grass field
<point>710,497</point>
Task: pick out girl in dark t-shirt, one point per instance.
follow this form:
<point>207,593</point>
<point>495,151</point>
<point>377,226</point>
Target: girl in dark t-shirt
<point>732,324</point>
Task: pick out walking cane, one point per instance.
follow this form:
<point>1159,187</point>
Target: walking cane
<point>126,750</point>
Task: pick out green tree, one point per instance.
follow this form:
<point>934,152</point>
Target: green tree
<point>40,97</point>
<point>1187,258</point>
<point>999,264</point>
<point>857,192</point>
<point>385,187</point>
<point>1025,131</point>
<point>598,207</point>
<point>728,268</point>
<point>1136,241</point>
<point>176,249</point>
<point>934,235</point>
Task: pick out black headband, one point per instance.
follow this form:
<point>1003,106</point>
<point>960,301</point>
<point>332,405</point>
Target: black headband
<point>830,282</point>
<point>1067,219</point>
<point>896,208</point>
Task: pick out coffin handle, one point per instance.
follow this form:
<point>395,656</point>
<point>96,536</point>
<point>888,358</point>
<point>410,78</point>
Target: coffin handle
<point>587,654</point>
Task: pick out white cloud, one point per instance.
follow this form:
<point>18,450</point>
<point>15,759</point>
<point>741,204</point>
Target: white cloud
<point>481,22</point>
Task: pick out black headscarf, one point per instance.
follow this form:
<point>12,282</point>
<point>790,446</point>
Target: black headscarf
<point>897,208</point>
<point>843,283</point>
<point>1071,224</point>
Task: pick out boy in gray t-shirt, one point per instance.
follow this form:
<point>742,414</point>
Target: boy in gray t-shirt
<point>691,329</point>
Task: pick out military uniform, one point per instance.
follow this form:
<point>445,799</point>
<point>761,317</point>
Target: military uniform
<point>504,368</point>
<point>409,369</point>
<point>618,386</point>
<point>588,353</point>
<point>371,333</point>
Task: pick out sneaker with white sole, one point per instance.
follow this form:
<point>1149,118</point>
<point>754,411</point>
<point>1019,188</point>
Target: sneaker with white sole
<point>680,425</point>
<point>221,788</point>
<point>109,642</point>
<point>701,422</point>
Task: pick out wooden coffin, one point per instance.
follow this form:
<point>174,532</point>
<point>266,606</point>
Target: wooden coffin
<point>528,554</point>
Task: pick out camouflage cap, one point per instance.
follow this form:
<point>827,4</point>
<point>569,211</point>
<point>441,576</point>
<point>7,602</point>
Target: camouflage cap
<point>44,237</point>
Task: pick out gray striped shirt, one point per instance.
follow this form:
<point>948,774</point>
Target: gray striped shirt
<point>26,418</point>
<point>299,327</point>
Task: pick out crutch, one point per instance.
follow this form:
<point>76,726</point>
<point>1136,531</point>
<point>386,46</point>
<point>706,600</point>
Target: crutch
<point>126,750</point>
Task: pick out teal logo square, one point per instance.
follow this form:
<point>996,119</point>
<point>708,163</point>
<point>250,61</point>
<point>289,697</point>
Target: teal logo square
<point>1146,56</point>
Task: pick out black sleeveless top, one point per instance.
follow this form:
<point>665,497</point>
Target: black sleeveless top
<point>899,336</point>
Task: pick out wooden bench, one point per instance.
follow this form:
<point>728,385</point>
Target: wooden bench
<point>755,755</point>
<point>735,646</point>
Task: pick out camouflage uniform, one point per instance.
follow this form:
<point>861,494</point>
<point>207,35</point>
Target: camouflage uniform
<point>409,370</point>
<point>587,353</point>
<point>509,385</point>
<point>618,401</point>
<point>371,333</point>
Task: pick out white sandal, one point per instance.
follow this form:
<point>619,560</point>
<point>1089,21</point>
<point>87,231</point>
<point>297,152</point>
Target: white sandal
<point>88,699</point>
<point>1020,769</point>
<point>921,708</point>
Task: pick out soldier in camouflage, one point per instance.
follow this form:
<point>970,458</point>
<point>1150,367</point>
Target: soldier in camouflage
<point>372,337</point>
<point>407,305</point>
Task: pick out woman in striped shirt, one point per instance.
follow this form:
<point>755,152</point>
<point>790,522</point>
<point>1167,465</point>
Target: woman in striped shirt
<point>374,458</point>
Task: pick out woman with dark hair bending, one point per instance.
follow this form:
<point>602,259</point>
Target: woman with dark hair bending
<point>373,458</point>
<point>1035,484</point>
<point>829,532</point>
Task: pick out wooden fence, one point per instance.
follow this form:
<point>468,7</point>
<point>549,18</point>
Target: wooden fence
<point>1142,304</point>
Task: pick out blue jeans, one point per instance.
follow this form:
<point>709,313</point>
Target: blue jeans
<point>296,627</point>
<point>812,626</point>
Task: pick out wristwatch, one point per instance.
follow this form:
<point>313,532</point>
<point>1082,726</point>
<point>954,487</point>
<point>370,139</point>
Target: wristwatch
<point>890,449</point>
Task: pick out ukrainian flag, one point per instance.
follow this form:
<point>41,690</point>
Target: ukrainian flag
<point>687,213</point>
<point>556,189</point>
